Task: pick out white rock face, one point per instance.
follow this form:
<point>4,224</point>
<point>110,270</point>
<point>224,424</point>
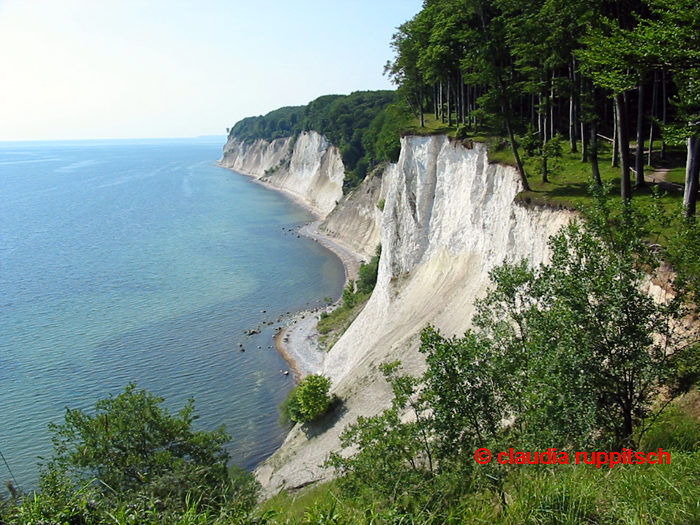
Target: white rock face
<point>357,219</point>
<point>314,174</point>
<point>449,218</point>
<point>254,159</point>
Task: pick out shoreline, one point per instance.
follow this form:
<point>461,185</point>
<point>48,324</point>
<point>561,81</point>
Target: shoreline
<point>298,341</point>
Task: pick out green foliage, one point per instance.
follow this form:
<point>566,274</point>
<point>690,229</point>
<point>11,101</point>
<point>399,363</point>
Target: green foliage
<point>131,461</point>
<point>280,123</point>
<point>465,369</point>
<point>332,325</point>
<point>308,401</point>
<point>368,273</point>
<point>349,296</point>
<point>364,125</point>
<point>530,142</point>
<point>133,445</point>
<point>586,349</point>
<point>552,149</point>
<point>382,141</point>
<point>625,495</point>
<point>462,132</point>
<point>394,461</point>
<point>683,253</point>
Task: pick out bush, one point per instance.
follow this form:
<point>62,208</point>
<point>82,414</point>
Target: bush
<point>308,401</point>
<point>132,445</point>
<point>349,299</point>
<point>461,132</point>
<point>368,273</point>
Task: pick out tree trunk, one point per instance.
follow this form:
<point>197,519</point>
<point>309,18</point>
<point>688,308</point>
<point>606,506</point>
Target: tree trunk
<point>572,125</point>
<point>545,136</point>
<point>435,102</point>
<point>664,112</point>
<point>420,104</point>
<point>449,103</point>
<point>628,427</point>
<point>584,144</point>
<point>615,162</point>
<point>639,154</point>
<point>572,109</point>
<point>518,161</point>
<point>654,99</point>
<point>692,167</point>
<point>545,171</point>
<point>594,154</point>
<point>462,98</point>
<point>475,96</point>
<point>624,147</point>
<point>551,107</point>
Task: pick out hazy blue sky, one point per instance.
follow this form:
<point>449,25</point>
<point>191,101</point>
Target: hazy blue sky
<point>80,69</point>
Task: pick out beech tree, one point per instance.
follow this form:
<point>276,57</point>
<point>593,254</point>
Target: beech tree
<point>671,41</point>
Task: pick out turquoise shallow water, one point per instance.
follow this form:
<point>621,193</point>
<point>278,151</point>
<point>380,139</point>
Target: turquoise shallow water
<point>142,261</point>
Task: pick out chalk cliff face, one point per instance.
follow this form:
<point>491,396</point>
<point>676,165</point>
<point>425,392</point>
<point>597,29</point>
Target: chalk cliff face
<point>356,220</point>
<point>312,171</point>
<point>449,217</point>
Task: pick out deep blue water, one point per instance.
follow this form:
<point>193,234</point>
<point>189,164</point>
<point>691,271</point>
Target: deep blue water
<point>142,261</point>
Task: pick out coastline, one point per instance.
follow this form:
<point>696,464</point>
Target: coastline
<point>298,341</point>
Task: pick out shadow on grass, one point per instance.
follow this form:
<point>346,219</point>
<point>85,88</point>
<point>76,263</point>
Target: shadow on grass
<point>555,195</point>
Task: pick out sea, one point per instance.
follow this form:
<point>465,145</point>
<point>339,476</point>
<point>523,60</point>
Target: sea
<point>142,261</point>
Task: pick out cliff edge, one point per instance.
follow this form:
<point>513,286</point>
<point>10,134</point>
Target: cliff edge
<point>449,217</point>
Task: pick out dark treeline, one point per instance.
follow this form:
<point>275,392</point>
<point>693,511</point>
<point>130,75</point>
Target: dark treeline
<point>623,70</point>
<point>365,125</point>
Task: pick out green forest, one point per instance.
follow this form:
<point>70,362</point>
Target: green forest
<point>365,125</point>
<point>622,71</point>
<point>570,355</point>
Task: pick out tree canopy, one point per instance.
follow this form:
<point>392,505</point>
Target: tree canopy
<point>364,125</point>
<point>131,444</point>
<point>624,69</point>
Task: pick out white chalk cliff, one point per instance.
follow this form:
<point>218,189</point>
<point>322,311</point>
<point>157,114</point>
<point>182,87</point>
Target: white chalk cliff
<point>448,218</point>
<point>312,172</point>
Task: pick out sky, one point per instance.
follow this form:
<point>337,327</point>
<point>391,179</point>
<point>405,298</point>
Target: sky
<point>109,69</point>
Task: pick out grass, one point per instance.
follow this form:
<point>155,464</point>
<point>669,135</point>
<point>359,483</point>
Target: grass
<point>569,177</point>
<point>294,505</point>
<point>562,494</point>
<point>676,175</point>
<point>333,326</point>
<point>433,126</point>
